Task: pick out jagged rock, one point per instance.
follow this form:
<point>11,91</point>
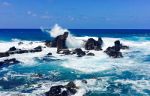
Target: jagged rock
<point>60,90</point>
<point>90,54</point>
<point>49,54</point>
<point>112,52</point>
<point>119,46</point>
<point>92,44</point>
<point>79,52</point>
<point>36,49</point>
<point>66,52</point>
<point>12,49</point>
<point>99,44</point>
<point>60,42</point>
<point>54,42</point>
<point>5,54</point>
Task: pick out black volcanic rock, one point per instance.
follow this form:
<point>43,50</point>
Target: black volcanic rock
<point>79,52</point>
<point>4,54</point>
<point>12,49</point>
<point>60,42</point>
<point>36,49</point>
<point>90,54</point>
<point>49,54</point>
<point>111,51</point>
<point>114,51</point>
<point>62,90</point>
<point>92,44</point>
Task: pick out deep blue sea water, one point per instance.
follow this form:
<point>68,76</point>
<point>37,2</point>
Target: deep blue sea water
<point>128,76</point>
<point>37,34</point>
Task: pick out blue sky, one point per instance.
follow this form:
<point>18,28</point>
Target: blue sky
<point>85,14</point>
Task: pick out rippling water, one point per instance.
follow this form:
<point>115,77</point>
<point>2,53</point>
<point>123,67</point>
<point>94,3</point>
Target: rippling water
<point>128,76</point>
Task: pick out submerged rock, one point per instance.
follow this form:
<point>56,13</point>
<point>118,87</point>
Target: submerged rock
<point>8,62</point>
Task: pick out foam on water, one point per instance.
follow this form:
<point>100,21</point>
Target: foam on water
<point>131,70</point>
<point>71,41</point>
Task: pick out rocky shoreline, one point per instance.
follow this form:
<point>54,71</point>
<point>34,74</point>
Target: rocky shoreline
<point>60,44</point>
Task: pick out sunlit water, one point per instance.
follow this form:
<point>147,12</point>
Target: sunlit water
<point>127,76</point>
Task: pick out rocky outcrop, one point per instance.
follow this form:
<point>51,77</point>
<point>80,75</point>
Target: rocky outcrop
<point>36,49</point>
<point>5,54</point>
<point>60,42</point>
<point>90,54</point>
<point>49,54</point>
<point>79,52</point>
<point>99,44</point>
<point>62,90</point>
<point>120,46</point>
<point>14,50</point>
<point>92,44</point>
<point>66,52</point>
<point>114,51</point>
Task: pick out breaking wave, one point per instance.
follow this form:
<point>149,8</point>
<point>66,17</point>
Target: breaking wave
<point>128,76</point>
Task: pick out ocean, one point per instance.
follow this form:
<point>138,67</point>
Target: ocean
<point>106,76</point>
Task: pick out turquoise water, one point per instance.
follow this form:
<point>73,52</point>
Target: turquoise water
<point>128,76</point>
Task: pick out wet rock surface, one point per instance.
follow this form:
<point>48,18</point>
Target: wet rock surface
<point>14,50</point>
<point>92,44</point>
<point>62,90</point>
<point>114,51</point>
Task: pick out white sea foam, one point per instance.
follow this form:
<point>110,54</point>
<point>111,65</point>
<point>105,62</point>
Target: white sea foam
<point>44,86</point>
<point>71,41</point>
<point>87,64</point>
<point>138,85</point>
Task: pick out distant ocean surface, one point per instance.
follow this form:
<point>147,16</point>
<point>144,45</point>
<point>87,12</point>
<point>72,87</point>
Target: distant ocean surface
<point>37,34</point>
<point>127,76</point>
